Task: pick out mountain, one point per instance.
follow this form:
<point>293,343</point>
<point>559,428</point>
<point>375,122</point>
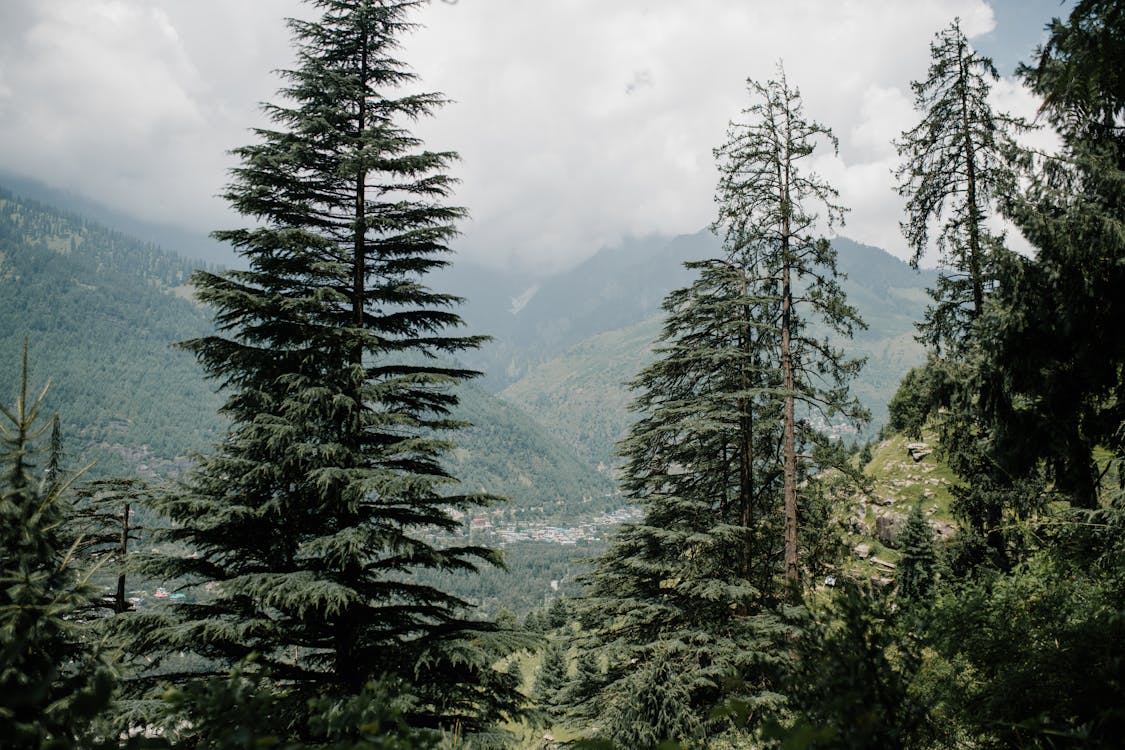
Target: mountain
<point>533,321</point>
<point>182,241</point>
<point>101,312</point>
<point>580,393</point>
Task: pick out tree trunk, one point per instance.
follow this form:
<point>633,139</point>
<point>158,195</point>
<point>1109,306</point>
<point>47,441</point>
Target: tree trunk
<point>119,603</point>
<point>746,438</point>
<point>789,437</point>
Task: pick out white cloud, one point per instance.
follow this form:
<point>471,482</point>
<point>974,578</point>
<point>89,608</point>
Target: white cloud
<point>578,121</point>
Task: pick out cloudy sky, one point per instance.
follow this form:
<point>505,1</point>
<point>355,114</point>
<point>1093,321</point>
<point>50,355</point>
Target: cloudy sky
<point>579,122</point>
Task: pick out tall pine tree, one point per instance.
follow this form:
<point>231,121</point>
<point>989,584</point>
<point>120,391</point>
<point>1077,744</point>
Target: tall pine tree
<point>686,598</point>
<point>330,487</point>
<point>954,166</point>
<point>768,212</point>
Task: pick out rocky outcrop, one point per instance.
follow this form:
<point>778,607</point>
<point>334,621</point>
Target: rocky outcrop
<point>888,527</point>
<point>918,451</point>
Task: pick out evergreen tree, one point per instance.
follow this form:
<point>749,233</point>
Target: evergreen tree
<point>954,165</point>
<point>330,486</point>
<point>558,614</point>
<point>768,207</point>
<point>550,679</point>
<point>915,571</point>
<point>686,596</point>
<point>1055,388</point>
<point>855,678</point>
<point>105,528</point>
<point>52,684</point>
<point>585,685</point>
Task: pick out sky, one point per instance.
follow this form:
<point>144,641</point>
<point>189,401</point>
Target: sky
<point>579,122</point>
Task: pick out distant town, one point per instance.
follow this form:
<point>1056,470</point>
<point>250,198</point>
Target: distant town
<point>590,530</point>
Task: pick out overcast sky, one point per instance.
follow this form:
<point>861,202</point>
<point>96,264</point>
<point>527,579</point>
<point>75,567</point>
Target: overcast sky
<point>579,122</point>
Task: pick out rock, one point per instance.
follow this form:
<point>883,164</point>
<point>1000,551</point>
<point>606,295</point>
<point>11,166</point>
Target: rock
<point>862,551</point>
<point>883,563</point>
<point>944,530</point>
<point>918,451</point>
<point>888,527</point>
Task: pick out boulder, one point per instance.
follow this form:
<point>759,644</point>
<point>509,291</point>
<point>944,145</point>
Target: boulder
<point>888,527</point>
<point>862,551</point>
<point>918,451</point>
<point>944,530</point>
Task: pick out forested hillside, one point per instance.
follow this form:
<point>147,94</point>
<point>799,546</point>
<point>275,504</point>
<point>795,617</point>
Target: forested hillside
<point>100,312</point>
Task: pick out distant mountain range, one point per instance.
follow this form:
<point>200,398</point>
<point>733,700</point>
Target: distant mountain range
<point>565,352</point>
<point>101,312</point>
<point>102,308</point>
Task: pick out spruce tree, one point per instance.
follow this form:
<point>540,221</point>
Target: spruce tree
<point>915,571</point>
<point>768,213</point>
<point>954,166</point>
<point>52,683</point>
<point>330,487</point>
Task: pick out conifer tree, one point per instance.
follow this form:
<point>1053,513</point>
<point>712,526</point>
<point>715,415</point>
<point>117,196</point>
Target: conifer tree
<point>105,525</point>
<point>330,486</point>
<point>768,211</point>
<point>687,594</point>
<point>1055,389</point>
<point>915,571</point>
<point>550,679</point>
<point>954,166</point>
<point>52,684</point>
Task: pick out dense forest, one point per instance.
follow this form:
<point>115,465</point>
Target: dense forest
<point>330,543</point>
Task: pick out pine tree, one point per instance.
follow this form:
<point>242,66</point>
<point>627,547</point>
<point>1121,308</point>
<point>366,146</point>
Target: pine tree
<point>550,679</point>
<point>768,207</point>
<point>915,571</point>
<point>689,592</point>
<point>1053,390</point>
<point>52,684</point>
<point>954,165</point>
<point>330,486</point>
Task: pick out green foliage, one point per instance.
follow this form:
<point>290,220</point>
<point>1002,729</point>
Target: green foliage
<point>53,683</point>
<point>683,598</point>
<point>921,394</point>
<point>1052,387</point>
<point>243,712</point>
<point>853,676</point>
<point>1043,644</point>
<point>331,486</point>
<point>768,212</point>
<point>954,165</point>
<point>551,679</point>
<point>916,567</point>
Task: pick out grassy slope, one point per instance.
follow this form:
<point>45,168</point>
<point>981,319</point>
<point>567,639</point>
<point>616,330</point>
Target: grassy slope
<point>895,483</point>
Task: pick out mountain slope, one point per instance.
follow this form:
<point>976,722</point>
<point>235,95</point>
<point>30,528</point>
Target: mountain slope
<point>580,394</point>
<point>102,311</point>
